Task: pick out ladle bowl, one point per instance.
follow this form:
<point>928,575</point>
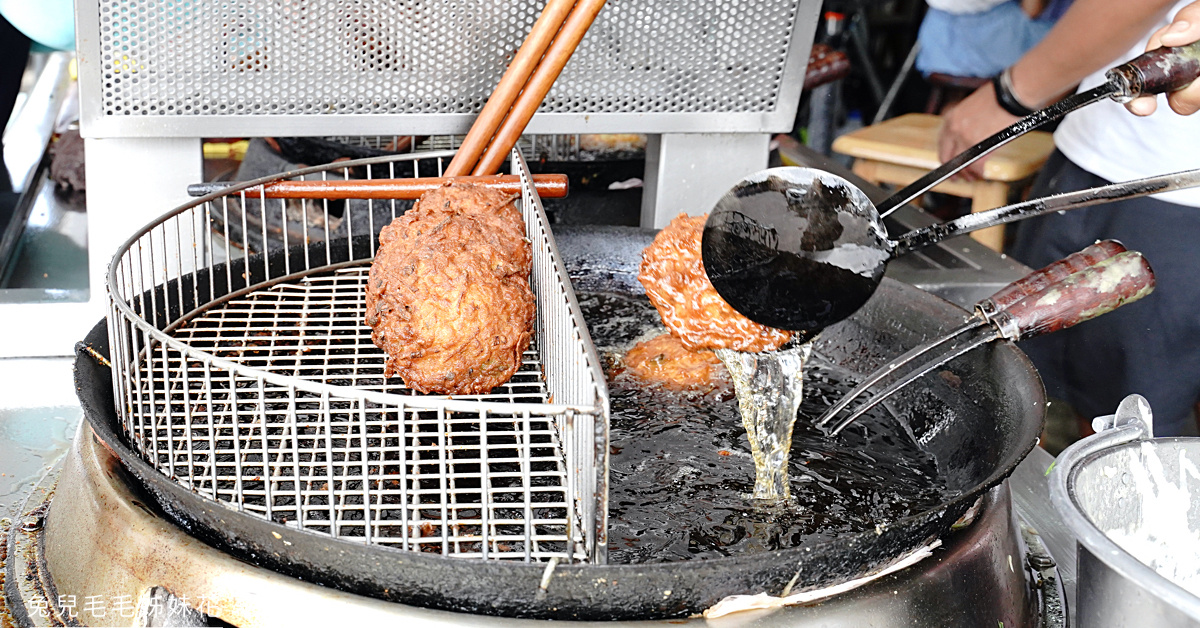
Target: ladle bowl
<point>795,248</point>
<point>801,249</point>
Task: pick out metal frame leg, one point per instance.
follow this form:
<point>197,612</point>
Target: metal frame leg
<point>688,172</point>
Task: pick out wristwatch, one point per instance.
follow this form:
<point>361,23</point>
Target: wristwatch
<point>1002,85</point>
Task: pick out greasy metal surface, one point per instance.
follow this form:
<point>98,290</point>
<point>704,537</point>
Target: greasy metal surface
<point>28,587</point>
<point>347,64</point>
<point>1031,502</point>
<point>1043,570</point>
<point>101,539</point>
<point>252,380</point>
<point>1066,201</point>
<point>26,582</point>
<point>49,260</point>
<point>38,415</point>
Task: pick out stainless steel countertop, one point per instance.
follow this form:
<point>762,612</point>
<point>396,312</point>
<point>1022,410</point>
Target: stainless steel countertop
<point>38,416</point>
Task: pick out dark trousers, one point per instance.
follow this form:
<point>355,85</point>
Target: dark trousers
<point>1151,347</point>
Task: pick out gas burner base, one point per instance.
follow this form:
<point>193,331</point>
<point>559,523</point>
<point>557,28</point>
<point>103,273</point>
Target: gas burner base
<point>96,553</point>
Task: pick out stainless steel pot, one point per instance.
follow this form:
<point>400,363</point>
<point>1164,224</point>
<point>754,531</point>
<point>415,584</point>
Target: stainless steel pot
<point>1128,499</point>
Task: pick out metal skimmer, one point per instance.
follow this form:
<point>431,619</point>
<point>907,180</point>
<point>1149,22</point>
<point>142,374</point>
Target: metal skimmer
<point>251,379</point>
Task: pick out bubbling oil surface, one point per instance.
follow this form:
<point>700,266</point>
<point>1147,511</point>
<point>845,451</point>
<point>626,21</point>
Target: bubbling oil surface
<point>681,469</point>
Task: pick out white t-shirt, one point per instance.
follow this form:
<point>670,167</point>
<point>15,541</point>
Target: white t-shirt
<point>965,6</point>
<point>1108,141</point>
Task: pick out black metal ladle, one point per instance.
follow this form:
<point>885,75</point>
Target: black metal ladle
<point>801,249</point>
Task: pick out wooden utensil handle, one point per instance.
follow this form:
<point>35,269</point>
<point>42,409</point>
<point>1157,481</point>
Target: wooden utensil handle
<point>1123,278</point>
<point>557,55</point>
<point>1158,71</point>
<point>510,85</point>
<point>1054,273</point>
<point>547,186</point>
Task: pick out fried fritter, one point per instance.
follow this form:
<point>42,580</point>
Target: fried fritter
<point>448,296</point>
<point>664,360</point>
<point>673,273</point>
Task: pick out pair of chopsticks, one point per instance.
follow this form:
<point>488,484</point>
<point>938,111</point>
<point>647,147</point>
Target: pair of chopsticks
<point>535,67</point>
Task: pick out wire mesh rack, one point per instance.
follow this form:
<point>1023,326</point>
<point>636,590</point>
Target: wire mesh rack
<point>243,369</point>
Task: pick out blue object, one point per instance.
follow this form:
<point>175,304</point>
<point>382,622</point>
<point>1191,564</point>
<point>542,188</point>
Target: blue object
<point>50,23</point>
<point>978,44</point>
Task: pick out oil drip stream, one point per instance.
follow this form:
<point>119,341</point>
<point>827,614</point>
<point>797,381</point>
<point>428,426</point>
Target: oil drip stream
<point>769,387</point>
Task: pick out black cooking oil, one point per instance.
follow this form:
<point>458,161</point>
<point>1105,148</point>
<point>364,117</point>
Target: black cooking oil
<point>681,472</point>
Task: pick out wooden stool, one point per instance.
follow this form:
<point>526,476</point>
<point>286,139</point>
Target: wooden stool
<point>901,150</point>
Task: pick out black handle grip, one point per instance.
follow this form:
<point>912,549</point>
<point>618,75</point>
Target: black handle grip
<point>1051,274</point>
<point>1121,279</point>
<point>1156,72</point>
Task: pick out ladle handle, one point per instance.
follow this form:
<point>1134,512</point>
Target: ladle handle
<point>1121,279</point>
<point>902,371</point>
<point>921,238</point>
<point>1041,279</point>
<point>1156,72</point>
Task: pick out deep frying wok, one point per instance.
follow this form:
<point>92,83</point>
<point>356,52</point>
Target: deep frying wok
<point>978,425</point>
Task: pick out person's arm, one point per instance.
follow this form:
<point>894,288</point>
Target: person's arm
<point>1183,30</point>
<point>1091,35</point>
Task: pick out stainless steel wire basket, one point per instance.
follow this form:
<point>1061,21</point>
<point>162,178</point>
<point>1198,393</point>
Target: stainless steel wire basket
<point>243,370</point>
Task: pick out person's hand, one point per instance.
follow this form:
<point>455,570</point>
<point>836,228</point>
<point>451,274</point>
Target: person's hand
<point>1185,29</point>
<point>1033,8</point>
<point>969,122</point>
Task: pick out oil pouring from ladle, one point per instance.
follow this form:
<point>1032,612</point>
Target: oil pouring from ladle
<point>769,387</point>
<point>800,249</point>
<point>1077,288</point>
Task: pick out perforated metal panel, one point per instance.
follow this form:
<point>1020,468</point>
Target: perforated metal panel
<point>169,60</point>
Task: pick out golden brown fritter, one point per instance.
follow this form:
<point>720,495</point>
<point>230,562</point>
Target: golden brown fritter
<point>664,360</point>
<point>673,273</point>
<point>448,296</point>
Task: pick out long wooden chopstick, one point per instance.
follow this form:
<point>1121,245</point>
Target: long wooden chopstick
<point>509,87</point>
<point>547,185</point>
<point>557,55</point>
